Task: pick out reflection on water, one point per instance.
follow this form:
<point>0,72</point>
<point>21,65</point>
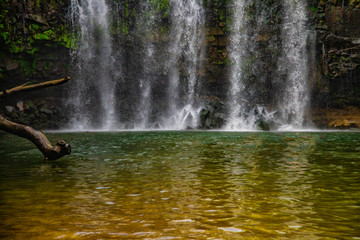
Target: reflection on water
<point>183,185</point>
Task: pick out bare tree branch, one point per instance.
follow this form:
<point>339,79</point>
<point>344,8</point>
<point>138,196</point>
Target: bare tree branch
<point>26,87</point>
<point>38,138</point>
<point>60,149</point>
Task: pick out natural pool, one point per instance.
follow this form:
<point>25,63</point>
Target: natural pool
<point>183,185</point>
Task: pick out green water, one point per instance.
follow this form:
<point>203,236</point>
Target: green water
<point>183,185</point>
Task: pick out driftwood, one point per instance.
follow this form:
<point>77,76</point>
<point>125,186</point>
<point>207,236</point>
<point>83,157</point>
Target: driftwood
<point>50,152</point>
<point>26,87</point>
<point>38,138</point>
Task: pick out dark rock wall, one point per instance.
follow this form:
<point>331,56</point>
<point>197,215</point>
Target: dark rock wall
<point>35,44</point>
<point>336,84</point>
<point>34,41</point>
<point>216,65</point>
<point>338,27</point>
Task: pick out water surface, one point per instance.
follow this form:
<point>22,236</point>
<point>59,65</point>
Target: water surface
<point>183,185</point>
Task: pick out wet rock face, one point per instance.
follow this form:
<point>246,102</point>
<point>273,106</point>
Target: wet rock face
<point>39,113</point>
<point>343,20</point>
<point>212,116</point>
<point>344,118</point>
<point>339,52</point>
<point>34,41</point>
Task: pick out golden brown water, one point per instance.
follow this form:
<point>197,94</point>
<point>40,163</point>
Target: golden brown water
<point>183,185</point>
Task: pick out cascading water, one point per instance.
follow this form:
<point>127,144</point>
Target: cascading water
<point>266,86</point>
<point>294,64</point>
<point>144,109</point>
<point>93,100</point>
<point>98,90</point>
<point>148,61</point>
<point>129,74</point>
<point>237,101</point>
<point>186,40</point>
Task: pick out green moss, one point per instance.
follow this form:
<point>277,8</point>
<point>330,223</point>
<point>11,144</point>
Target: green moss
<point>314,9</point>
<point>60,36</point>
<point>124,29</point>
<point>18,40</point>
<point>161,6</point>
<point>227,62</point>
<point>222,14</point>
<point>46,66</point>
<point>34,27</point>
<point>32,51</point>
<point>27,66</point>
<point>65,38</point>
<point>16,46</point>
<point>127,9</point>
<point>4,34</point>
<point>211,38</point>
<point>164,30</point>
<point>46,35</point>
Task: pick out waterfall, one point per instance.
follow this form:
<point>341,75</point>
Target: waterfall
<point>144,109</point>
<point>101,83</point>
<point>141,69</point>
<point>294,64</point>
<point>93,97</point>
<point>237,102</point>
<point>148,61</point>
<point>186,40</point>
<point>266,85</point>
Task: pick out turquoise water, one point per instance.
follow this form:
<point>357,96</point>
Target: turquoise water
<point>183,185</point>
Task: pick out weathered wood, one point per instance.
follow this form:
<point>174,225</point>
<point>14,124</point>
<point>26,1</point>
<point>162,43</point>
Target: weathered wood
<point>38,138</point>
<point>26,87</point>
<point>50,152</point>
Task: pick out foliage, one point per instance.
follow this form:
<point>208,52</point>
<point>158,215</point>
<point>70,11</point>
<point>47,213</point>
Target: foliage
<point>28,67</point>
<point>221,13</point>
<point>126,16</point>
<point>314,9</point>
<point>20,36</point>
<point>161,6</point>
<point>23,35</point>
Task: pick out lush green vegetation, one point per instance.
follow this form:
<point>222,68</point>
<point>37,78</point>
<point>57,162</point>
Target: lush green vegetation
<point>19,33</point>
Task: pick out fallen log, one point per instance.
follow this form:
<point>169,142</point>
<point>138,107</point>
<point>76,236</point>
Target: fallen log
<point>26,87</point>
<point>60,149</point>
<point>50,152</point>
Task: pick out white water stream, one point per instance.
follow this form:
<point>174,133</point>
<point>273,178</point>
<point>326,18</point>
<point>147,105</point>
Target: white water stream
<point>93,97</point>
<point>186,40</point>
<point>95,101</point>
<point>292,97</point>
<point>294,63</point>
